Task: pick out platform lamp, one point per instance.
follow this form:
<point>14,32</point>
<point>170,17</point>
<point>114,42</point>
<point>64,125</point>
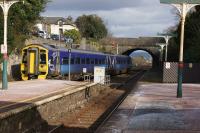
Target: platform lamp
<point>183,6</point>
<point>5,5</point>
<point>167,37</point>
<point>69,41</point>
<point>161,45</point>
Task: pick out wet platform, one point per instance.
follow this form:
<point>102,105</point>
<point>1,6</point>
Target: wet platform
<point>154,108</point>
<point>33,92</point>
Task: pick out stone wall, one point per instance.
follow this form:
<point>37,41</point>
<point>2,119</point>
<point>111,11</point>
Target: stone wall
<point>31,117</point>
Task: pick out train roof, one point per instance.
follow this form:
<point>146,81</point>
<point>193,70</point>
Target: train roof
<point>54,47</point>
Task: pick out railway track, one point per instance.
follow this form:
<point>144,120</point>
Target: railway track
<point>98,109</point>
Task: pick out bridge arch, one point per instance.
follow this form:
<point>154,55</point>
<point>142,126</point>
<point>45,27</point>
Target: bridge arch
<point>155,55</point>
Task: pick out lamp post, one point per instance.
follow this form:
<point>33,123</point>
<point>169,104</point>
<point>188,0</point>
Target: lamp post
<point>5,5</point>
<point>183,6</point>
<point>69,42</point>
<point>162,45</point>
<point>167,37</point>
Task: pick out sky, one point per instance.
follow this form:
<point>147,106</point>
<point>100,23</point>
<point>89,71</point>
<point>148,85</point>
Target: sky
<point>123,18</point>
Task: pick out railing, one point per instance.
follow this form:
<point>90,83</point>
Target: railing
<point>87,78</point>
<point>103,80</point>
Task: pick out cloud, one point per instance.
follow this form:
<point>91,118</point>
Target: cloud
<point>127,18</point>
<point>94,5</point>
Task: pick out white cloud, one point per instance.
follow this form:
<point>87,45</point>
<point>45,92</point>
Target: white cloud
<point>128,18</point>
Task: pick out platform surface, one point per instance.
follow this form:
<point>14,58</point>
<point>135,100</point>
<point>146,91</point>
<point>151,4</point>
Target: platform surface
<point>25,92</point>
<point>154,108</point>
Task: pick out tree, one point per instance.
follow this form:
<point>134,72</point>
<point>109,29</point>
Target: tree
<point>91,27</point>
<point>21,19</point>
<point>191,40</point>
<point>74,34</point>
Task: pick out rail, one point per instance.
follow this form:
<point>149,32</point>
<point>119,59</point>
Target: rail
<point>110,110</point>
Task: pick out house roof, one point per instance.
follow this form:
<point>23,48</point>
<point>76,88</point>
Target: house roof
<point>54,20</point>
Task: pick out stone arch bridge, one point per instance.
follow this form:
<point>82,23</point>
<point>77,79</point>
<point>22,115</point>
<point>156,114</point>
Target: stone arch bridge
<point>148,44</point>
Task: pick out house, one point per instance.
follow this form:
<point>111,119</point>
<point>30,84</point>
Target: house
<point>55,25</point>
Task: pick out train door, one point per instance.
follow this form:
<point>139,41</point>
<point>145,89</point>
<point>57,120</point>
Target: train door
<point>58,63</point>
<point>33,65</point>
<point>54,63</point>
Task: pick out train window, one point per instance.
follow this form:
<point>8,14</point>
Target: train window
<point>83,61</point>
<point>103,61</point>
<point>65,61</point>
<point>100,61</point>
<point>92,61</point>
<point>78,60</point>
<point>72,60</point>
<point>88,61</point>
<point>96,61</point>
<point>117,61</point>
<point>42,58</point>
<point>24,60</point>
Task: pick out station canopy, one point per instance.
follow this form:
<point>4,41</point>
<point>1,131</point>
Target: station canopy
<point>180,1</point>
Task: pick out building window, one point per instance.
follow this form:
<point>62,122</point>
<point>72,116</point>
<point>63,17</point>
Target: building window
<point>60,23</point>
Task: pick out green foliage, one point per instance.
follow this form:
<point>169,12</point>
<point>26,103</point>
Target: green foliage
<point>191,40</point>
<point>74,34</point>
<point>21,19</point>
<point>91,26</point>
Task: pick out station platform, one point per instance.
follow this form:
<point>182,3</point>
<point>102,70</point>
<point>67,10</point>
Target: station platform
<point>22,93</point>
<point>154,108</point>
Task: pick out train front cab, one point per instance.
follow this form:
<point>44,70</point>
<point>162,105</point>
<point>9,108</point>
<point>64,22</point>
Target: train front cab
<point>34,62</point>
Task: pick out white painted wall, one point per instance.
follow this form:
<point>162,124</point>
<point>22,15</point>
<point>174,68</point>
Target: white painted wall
<point>39,26</point>
<point>55,28</point>
<point>69,27</point>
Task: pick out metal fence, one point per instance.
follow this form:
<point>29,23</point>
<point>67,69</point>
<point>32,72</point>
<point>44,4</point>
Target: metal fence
<point>191,72</point>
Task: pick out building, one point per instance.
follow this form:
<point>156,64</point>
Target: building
<point>55,25</point>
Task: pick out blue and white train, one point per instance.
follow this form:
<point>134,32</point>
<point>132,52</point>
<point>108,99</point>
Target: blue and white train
<point>40,61</point>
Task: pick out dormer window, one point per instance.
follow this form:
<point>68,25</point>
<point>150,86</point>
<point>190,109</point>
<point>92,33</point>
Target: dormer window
<point>60,23</point>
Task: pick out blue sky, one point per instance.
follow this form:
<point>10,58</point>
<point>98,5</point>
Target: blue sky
<point>123,18</point>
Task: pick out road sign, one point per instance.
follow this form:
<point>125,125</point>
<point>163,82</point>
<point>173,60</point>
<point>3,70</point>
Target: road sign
<point>180,1</point>
<point>3,49</point>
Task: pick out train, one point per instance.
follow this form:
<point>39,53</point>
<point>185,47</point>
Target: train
<point>42,61</point>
